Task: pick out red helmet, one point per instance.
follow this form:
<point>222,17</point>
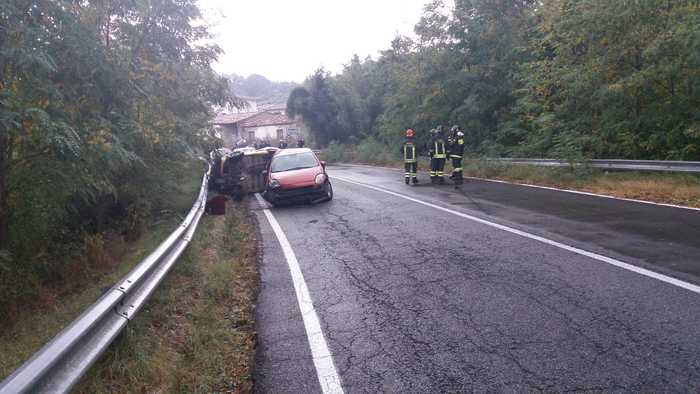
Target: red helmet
<point>409,133</point>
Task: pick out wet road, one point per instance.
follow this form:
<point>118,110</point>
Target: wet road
<point>421,290</point>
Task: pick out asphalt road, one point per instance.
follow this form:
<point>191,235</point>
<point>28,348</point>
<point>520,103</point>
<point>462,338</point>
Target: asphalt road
<point>414,298</point>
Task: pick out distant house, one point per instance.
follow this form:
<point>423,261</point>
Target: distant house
<point>229,126</point>
<point>270,125</point>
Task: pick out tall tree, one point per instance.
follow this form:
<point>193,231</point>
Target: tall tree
<point>316,105</point>
<point>617,79</point>
<point>97,99</point>
<point>566,78</point>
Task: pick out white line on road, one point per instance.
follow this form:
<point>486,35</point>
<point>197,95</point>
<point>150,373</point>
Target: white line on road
<point>322,357</point>
<point>595,256</point>
<point>660,204</point>
<point>556,189</point>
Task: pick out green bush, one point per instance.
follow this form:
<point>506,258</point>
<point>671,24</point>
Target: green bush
<point>336,153</point>
<point>367,151</point>
<point>372,151</point>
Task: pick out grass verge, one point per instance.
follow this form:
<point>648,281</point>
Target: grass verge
<point>34,324</point>
<point>196,335</point>
<point>669,188</point>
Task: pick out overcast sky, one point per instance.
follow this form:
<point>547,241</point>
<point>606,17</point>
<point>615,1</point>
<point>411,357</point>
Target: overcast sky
<point>286,40</point>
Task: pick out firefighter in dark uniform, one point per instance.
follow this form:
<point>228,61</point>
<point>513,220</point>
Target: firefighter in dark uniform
<point>456,148</point>
<point>438,155</point>
<point>410,158</point>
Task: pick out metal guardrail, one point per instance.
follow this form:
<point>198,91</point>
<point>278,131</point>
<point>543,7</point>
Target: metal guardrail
<point>60,364</point>
<point>614,164</point>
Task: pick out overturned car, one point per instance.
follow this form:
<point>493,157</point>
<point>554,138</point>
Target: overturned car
<point>240,171</point>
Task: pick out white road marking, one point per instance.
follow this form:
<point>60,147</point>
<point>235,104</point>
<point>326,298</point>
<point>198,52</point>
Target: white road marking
<point>661,204</point>
<point>595,256</point>
<point>323,359</point>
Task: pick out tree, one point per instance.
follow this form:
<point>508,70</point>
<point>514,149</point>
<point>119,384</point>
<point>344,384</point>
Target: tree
<point>97,101</point>
<point>564,78</point>
<point>617,79</point>
<point>259,87</point>
<point>316,105</point>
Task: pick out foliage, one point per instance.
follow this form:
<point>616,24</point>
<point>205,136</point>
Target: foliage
<point>564,78</point>
<point>259,87</point>
<point>97,100</point>
<point>315,103</point>
<point>616,79</point>
<point>366,151</point>
<point>198,335</point>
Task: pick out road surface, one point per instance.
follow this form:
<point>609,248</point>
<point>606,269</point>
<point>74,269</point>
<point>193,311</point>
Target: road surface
<point>491,288</point>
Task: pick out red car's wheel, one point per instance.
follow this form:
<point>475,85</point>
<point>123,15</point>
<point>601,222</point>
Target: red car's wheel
<point>329,192</point>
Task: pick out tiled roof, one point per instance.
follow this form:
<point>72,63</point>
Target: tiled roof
<point>233,118</point>
<point>267,119</point>
<point>272,107</point>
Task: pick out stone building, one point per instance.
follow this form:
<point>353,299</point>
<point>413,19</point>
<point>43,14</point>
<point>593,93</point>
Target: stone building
<point>270,125</point>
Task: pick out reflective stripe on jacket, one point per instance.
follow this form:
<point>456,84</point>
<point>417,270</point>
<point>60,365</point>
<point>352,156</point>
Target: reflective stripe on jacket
<point>457,149</point>
<point>439,149</point>
<point>409,152</point>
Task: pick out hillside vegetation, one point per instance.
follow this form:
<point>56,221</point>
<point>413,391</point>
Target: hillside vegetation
<point>555,78</point>
<point>258,87</point>
<point>103,108</point>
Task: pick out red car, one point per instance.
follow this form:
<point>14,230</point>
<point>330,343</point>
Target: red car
<point>297,175</point>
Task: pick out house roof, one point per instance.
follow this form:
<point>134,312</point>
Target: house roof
<point>253,119</point>
<point>272,107</point>
<point>267,119</point>
<point>233,118</point>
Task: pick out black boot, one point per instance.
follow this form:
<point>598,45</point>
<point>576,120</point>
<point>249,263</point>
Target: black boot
<point>415,180</point>
<point>407,180</point>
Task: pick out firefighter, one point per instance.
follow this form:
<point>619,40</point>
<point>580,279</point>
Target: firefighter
<point>410,158</point>
<point>456,146</point>
<point>431,151</point>
<point>450,140</point>
<point>438,156</point>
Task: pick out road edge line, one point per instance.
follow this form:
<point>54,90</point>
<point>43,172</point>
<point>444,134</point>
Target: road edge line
<point>323,359</point>
<point>556,189</point>
<point>592,255</point>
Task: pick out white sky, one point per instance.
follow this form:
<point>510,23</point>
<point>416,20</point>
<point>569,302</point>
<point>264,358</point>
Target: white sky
<point>286,40</point>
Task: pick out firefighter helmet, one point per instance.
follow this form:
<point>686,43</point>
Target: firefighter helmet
<point>460,134</point>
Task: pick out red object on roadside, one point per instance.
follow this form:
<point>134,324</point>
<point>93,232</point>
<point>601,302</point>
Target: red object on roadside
<point>217,205</point>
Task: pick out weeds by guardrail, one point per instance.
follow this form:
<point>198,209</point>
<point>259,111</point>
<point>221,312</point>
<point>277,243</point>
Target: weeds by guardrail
<point>61,363</point>
<point>613,164</point>
<point>371,151</point>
